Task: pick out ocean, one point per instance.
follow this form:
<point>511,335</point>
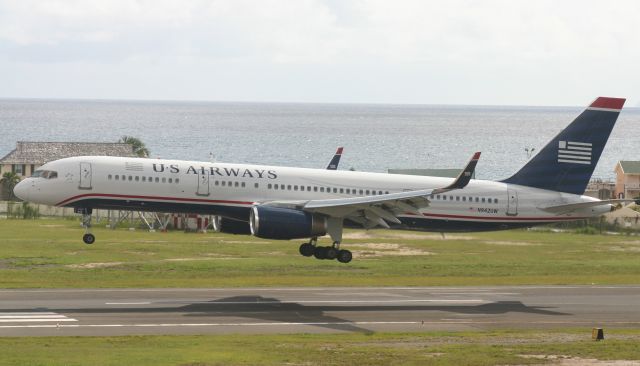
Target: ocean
<point>375,136</point>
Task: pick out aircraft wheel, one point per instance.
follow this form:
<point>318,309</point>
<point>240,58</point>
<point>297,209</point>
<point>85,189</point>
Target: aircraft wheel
<point>344,256</point>
<point>331,253</point>
<point>307,250</point>
<point>88,238</point>
<point>320,252</point>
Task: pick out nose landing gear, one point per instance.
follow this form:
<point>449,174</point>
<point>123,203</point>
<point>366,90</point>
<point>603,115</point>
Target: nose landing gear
<point>87,238</point>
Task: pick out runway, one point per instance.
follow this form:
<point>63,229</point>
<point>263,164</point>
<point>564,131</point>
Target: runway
<point>313,310</point>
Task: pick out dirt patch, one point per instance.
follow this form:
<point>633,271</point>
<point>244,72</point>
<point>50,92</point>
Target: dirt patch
<point>623,249</point>
<point>94,265</point>
<point>511,243</point>
<point>51,225</point>
<point>385,249</point>
<point>577,361</point>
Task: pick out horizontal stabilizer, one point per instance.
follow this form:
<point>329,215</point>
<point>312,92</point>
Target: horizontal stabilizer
<point>563,209</point>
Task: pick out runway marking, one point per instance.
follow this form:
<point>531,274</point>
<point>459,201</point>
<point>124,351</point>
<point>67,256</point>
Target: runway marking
<point>128,303</point>
<point>33,317</point>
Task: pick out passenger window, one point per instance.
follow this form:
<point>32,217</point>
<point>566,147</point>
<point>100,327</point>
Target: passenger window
<point>224,183</point>
<point>268,186</point>
<point>341,190</point>
<point>295,188</point>
<point>450,198</point>
<point>289,187</point>
<point>170,180</point>
<point>335,190</point>
<point>256,185</point>
<point>321,189</point>
<point>315,188</point>
<point>236,184</point>
<point>109,177</point>
<point>379,192</point>
<point>144,179</point>
<point>457,198</point>
<point>489,200</point>
<point>177,180</point>
<point>242,184</point>
<point>444,197</point>
<point>482,199</point>
<point>308,188</point>
<point>217,183</point>
<point>477,199</point>
<point>464,199</point>
<point>275,186</point>
<point>130,178</point>
<point>361,192</point>
<point>137,178</point>
<point>495,200</point>
<point>386,192</point>
<point>368,192</point>
<point>164,180</point>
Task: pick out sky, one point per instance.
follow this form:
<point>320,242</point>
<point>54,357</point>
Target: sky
<point>487,52</point>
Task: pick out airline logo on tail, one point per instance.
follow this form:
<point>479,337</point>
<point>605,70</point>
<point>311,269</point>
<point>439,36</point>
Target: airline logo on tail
<point>574,152</point>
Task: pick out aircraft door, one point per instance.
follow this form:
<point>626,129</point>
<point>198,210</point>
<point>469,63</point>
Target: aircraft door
<point>203,183</point>
<point>85,176</point>
<point>512,202</point>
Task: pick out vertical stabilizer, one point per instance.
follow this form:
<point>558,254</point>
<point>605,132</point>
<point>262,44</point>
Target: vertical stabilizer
<point>567,162</point>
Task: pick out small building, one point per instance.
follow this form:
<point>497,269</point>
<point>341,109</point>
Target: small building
<point>627,179</point>
<point>29,156</point>
<point>446,173</point>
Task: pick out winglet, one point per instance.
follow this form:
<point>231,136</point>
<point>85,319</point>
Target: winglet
<point>465,175</point>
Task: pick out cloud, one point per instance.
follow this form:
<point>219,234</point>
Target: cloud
<point>361,50</point>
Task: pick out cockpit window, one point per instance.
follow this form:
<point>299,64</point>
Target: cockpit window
<point>46,174</point>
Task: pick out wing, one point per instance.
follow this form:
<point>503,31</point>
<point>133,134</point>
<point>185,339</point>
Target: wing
<point>371,211</point>
<point>570,207</point>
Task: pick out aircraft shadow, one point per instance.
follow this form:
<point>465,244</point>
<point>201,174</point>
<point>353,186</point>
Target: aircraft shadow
<point>267,309</point>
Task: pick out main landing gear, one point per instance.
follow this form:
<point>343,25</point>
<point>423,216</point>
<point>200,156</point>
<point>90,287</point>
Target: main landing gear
<point>333,252</point>
<point>87,238</point>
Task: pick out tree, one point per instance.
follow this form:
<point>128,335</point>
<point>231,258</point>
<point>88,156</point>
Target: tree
<point>138,146</point>
<point>9,180</point>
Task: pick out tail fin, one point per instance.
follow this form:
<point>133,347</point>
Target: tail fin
<point>333,164</point>
<point>567,162</point>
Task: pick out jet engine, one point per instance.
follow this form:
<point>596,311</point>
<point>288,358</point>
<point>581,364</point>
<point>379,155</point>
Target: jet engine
<point>230,226</point>
<point>285,223</point>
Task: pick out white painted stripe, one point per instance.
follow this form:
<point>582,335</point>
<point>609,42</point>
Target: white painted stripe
<point>561,151</point>
<point>30,313</point>
<point>30,316</point>
<point>573,161</point>
<point>36,320</point>
<point>579,143</point>
<point>564,156</point>
<point>603,109</point>
<point>128,303</point>
<point>579,148</point>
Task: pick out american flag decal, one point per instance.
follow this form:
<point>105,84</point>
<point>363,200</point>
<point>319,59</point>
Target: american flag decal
<point>574,152</point>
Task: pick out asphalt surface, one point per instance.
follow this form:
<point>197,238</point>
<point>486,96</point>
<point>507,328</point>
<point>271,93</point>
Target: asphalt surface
<point>313,310</point>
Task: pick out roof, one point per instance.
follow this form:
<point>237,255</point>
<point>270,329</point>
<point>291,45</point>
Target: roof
<point>446,173</point>
<point>630,167</point>
<point>29,152</point>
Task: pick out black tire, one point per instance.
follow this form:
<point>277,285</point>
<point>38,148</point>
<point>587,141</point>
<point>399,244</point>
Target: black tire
<point>307,250</point>
<point>88,238</point>
<point>331,253</point>
<point>320,252</point>
<point>344,256</point>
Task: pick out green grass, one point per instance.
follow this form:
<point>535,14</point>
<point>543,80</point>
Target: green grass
<point>50,254</point>
<point>436,348</point>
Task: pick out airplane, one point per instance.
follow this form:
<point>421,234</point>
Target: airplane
<point>285,203</point>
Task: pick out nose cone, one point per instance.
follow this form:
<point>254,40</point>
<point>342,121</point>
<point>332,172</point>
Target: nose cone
<point>21,190</point>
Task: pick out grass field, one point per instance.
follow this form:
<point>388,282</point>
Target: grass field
<point>49,253</point>
<point>456,348</point>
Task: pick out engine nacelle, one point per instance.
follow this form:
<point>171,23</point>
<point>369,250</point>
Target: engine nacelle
<point>285,223</point>
<point>224,225</point>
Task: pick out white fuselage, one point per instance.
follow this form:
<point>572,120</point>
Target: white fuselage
<point>229,190</point>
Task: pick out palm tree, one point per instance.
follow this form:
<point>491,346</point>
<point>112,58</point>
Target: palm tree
<point>138,146</point>
<point>9,180</point>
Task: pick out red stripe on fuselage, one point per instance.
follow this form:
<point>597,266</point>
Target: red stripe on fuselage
<point>502,218</point>
<point>158,198</point>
